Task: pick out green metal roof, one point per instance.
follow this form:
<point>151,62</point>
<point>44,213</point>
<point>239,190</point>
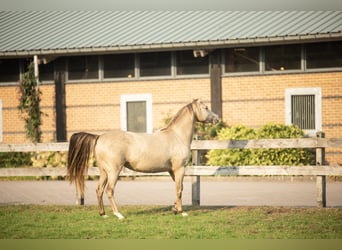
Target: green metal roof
<point>60,32</point>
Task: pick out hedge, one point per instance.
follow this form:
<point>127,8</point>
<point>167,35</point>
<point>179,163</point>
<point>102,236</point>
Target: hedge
<point>261,157</point>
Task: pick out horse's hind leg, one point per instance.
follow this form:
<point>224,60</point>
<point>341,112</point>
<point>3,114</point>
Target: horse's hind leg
<point>79,193</point>
<point>112,180</point>
<point>99,191</point>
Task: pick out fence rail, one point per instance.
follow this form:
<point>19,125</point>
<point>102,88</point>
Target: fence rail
<point>192,171</point>
<point>196,171</point>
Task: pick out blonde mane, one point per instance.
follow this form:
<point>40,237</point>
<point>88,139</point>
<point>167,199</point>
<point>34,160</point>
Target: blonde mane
<point>179,114</point>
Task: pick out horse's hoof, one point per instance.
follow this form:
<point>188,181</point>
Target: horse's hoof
<point>184,214</point>
<point>119,215</point>
<point>104,216</point>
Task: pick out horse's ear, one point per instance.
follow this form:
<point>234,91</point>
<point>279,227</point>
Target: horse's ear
<point>195,100</point>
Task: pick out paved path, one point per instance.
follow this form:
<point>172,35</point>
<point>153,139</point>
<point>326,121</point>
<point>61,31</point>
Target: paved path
<point>161,192</point>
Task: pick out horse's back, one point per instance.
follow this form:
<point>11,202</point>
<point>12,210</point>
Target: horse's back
<point>138,151</point>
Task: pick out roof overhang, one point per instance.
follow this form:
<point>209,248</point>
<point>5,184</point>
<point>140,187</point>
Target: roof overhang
<point>210,44</point>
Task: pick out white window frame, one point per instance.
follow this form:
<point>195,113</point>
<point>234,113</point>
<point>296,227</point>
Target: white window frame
<point>136,98</point>
<point>317,92</point>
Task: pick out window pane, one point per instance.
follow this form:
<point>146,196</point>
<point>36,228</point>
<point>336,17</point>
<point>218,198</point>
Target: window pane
<point>83,67</point>
<point>241,60</point>
<point>118,66</point>
<point>46,71</point>
<point>284,57</point>
<point>155,64</point>
<point>324,55</point>
<point>188,64</point>
<point>303,111</point>
<point>136,116</point>
<point>9,70</point>
<point>60,63</point>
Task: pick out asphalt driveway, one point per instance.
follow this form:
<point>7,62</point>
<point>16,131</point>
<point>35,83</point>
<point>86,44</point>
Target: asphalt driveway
<point>161,191</point>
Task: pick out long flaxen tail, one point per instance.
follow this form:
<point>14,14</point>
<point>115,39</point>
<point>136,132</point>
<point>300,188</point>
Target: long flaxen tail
<point>81,146</point>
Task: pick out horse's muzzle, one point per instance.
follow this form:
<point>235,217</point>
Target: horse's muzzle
<point>213,118</point>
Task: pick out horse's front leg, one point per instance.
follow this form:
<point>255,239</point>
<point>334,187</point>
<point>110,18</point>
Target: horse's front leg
<point>178,178</point>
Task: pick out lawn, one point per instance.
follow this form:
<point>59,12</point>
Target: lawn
<point>157,222</point>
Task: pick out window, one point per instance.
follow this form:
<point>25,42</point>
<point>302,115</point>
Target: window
<point>136,113</point>
<point>83,67</point>
<point>283,57</point>
<point>303,108</point>
<point>46,72</point>
<point>303,111</point>
<point>9,70</point>
<point>136,116</point>
<point>118,66</point>
<point>60,64</point>
<point>241,60</point>
<point>188,64</point>
<point>324,55</point>
<point>155,64</point>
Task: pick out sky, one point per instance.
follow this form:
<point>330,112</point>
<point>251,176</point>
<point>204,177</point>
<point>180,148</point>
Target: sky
<point>171,5</point>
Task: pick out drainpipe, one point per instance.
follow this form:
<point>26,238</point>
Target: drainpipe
<point>36,70</point>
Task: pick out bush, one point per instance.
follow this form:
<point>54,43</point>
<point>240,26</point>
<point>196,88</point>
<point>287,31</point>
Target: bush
<point>54,160</point>
<point>49,159</point>
<point>14,159</point>
<point>208,131</point>
<point>240,157</point>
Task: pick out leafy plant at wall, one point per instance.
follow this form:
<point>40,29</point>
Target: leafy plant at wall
<point>240,157</point>
<point>29,101</point>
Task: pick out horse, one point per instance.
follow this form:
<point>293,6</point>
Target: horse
<point>166,150</point>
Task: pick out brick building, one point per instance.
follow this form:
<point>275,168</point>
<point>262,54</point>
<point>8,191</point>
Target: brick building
<point>130,70</point>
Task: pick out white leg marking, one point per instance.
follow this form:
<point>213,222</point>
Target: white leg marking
<point>119,215</point>
<point>104,216</point>
<point>184,214</point>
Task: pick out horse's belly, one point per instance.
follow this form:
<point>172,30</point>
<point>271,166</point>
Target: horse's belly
<point>149,165</point>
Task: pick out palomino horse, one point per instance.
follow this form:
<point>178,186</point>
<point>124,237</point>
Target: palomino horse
<point>165,150</point>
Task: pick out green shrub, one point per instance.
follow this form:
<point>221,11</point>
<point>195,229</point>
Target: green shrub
<point>240,157</point>
<point>49,159</point>
<point>232,157</point>
<point>54,160</point>
<point>14,159</point>
<point>208,131</point>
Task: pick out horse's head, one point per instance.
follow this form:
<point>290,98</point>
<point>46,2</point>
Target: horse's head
<point>203,113</point>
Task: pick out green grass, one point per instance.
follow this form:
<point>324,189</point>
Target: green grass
<point>155,222</point>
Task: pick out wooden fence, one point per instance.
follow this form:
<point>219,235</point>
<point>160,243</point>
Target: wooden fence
<point>196,171</point>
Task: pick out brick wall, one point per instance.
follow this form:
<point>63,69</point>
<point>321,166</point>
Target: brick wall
<point>96,107</point>
<point>256,100</point>
<point>248,100</point>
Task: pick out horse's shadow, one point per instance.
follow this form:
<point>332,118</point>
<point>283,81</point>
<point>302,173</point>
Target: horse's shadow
<point>188,209</point>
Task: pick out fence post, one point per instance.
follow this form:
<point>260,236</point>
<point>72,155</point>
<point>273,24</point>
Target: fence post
<point>196,180</point>
<point>320,179</point>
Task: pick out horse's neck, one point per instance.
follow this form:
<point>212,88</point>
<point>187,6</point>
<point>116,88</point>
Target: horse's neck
<point>183,127</point>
